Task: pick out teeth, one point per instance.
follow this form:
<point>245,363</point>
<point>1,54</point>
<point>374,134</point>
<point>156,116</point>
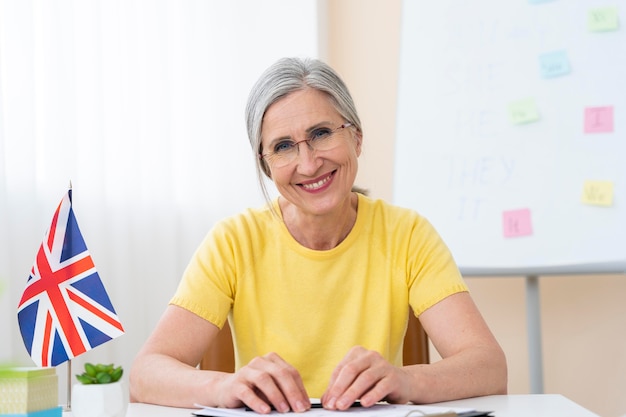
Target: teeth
<point>316,185</point>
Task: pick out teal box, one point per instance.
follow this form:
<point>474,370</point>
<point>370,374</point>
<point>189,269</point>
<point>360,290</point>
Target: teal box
<point>50,412</point>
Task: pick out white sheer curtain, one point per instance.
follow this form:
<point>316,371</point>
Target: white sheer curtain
<point>140,104</point>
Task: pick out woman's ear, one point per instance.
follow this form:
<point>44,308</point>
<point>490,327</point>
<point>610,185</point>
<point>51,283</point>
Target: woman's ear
<point>266,169</point>
<point>359,142</point>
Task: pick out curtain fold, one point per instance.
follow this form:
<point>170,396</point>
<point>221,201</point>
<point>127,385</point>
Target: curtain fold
<point>140,105</point>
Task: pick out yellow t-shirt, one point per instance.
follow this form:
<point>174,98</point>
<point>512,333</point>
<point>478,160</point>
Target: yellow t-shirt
<point>312,306</point>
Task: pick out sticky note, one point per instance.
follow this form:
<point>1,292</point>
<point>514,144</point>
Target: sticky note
<point>523,111</point>
<point>516,223</point>
<point>597,193</point>
<point>554,64</point>
<point>598,119</point>
<point>602,19</point>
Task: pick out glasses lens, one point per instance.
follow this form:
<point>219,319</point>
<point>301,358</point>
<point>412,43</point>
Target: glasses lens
<point>284,157</point>
<point>322,139</point>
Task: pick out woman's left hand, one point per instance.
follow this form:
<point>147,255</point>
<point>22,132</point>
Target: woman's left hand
<point>366,376</point>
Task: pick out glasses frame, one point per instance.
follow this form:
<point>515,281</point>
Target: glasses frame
<point>265,156</point>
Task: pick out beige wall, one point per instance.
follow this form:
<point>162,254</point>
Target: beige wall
<point>583,317</point>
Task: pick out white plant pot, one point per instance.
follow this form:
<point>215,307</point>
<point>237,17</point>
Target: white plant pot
<point>99,400</point>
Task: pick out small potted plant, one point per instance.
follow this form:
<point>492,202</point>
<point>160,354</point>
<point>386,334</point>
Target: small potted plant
<point>99,392</point>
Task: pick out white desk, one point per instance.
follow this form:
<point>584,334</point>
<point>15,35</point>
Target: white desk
<point>538,405</point>
<point>544,405</point>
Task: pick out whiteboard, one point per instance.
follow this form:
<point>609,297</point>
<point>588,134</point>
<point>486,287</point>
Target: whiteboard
<point>511,132</point>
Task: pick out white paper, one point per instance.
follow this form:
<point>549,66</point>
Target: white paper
<point>378,410</point>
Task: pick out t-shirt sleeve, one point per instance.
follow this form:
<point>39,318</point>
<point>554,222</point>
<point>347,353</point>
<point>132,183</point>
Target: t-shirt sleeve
<point>433,273</point>
<point>206,287</point>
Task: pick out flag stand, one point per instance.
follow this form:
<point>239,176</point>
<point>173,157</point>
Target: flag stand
<point>68,406</point>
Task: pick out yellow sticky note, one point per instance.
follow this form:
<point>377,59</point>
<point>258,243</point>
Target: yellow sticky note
<point>597,193</point>
<point>523,111</point>
<point>602,19</point>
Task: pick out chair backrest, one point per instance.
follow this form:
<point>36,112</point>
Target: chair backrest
<point>221,357</point>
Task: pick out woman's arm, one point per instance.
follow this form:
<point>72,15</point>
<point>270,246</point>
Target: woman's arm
<point>473,364</point>
<point>164,371</point>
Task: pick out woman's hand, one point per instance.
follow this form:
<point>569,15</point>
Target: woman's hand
<point>266,382</point>
<point>366,376</point>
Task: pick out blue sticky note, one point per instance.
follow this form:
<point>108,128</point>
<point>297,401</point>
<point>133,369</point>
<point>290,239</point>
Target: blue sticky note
<point>554,64</point>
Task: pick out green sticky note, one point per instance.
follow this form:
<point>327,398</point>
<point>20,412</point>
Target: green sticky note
<point>603,19</point>
<point>523,111</point>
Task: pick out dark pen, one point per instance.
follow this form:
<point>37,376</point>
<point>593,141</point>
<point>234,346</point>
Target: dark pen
<point>313,405</point>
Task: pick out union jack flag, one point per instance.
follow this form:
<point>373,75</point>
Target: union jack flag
<point>65,310</point>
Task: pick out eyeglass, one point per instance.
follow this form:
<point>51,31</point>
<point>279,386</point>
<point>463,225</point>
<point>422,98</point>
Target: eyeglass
<point>285,151</point>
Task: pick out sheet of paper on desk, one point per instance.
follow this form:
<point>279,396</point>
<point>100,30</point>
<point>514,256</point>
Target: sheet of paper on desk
<point>378,410</point>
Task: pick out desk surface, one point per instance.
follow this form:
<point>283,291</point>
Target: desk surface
<point>543,405</point>
<point>540,405</point>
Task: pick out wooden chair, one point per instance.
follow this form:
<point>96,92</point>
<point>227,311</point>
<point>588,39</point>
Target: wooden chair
<point>221,357</point>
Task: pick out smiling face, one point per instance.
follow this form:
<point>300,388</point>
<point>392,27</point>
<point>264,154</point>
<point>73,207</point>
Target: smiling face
<point>316,182</point>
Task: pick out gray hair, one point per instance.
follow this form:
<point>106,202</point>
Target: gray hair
<point>284,77</point>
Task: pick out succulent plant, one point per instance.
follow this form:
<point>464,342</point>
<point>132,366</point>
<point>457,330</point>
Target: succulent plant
<point>100,374</point>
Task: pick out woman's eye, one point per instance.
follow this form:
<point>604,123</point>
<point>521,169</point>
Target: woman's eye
<point>321,133</point>
<point>283,147</point>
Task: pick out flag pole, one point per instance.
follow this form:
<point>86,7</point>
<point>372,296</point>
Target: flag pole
<point>68,406</point>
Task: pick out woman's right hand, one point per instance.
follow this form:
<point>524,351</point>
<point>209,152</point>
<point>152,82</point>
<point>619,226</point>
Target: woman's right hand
<point>266,382</point>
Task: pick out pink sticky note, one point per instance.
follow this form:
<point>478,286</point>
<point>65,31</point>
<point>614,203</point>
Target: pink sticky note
<point>516,223</point>
<point>599,119</point>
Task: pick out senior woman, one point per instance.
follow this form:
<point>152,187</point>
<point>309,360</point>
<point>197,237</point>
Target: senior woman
<point>318,284</point>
